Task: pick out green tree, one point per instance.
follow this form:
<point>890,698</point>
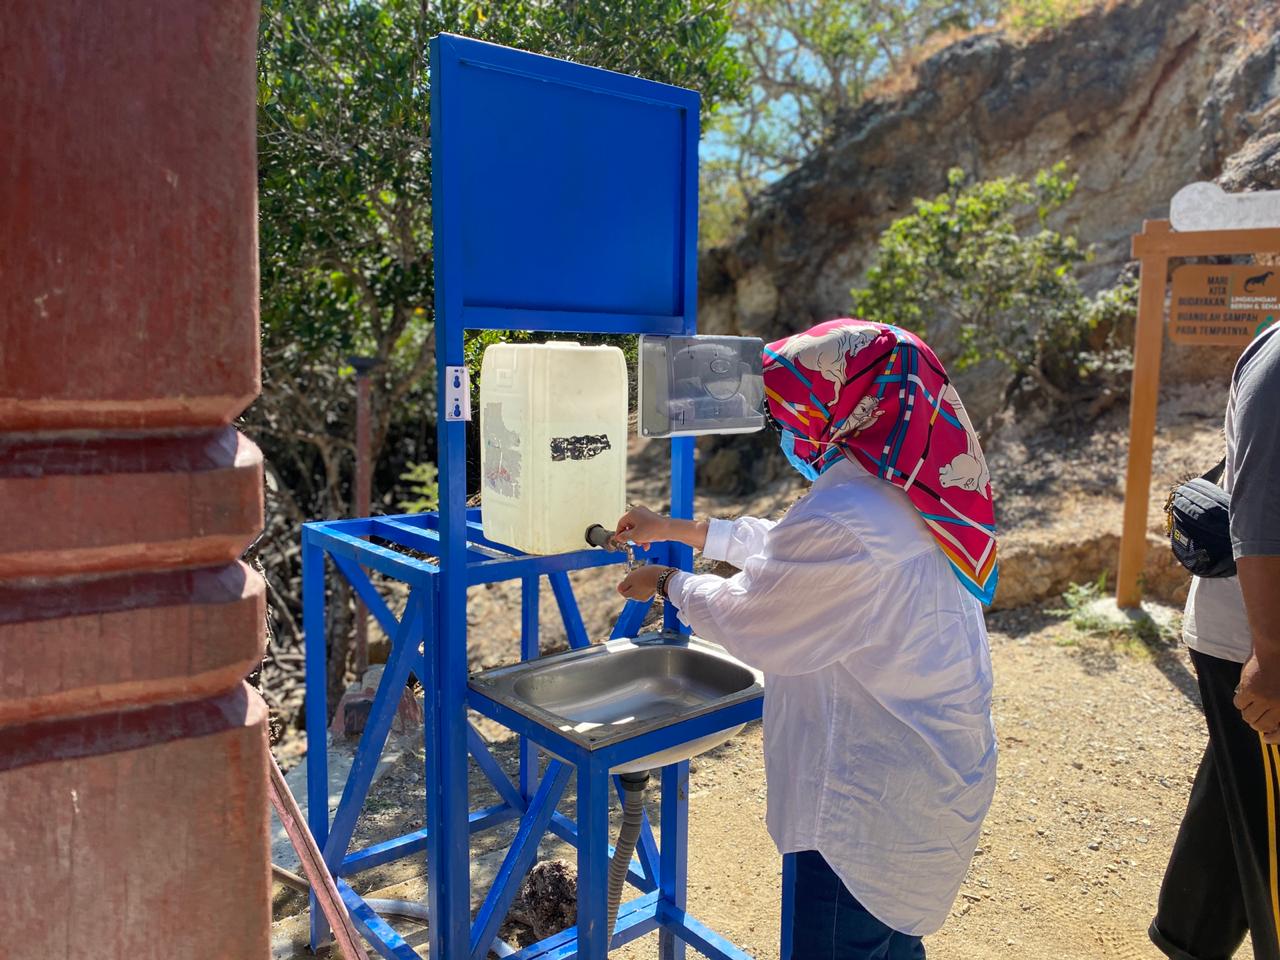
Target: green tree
<point>345,174</point>
<point>980,265</point>
<point>345,223</point>
<point>811,61</point>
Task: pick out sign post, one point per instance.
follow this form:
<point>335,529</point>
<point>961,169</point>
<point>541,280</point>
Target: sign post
<point>1210,306</point>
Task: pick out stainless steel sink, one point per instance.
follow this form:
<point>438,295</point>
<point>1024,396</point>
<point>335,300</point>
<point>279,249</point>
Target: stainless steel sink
<point>603,694</point>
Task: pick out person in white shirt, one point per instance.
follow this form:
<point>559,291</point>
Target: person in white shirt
<point>863,608</point>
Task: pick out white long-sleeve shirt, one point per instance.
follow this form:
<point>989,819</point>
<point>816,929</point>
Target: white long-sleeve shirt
<point>879,747</point>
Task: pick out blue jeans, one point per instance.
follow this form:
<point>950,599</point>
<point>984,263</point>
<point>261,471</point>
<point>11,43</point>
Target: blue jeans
<point>829,924</point>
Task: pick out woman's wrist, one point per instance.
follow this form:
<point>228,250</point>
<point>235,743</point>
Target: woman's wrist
<point>664,580</point>
<point>690,532</point>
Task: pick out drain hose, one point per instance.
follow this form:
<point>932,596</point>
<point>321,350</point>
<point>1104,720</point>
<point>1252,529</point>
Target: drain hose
<point>633,785</point>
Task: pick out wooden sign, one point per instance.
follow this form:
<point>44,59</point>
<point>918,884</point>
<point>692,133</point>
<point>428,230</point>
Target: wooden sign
<point>1211,305</point>
<point>1223,306</point>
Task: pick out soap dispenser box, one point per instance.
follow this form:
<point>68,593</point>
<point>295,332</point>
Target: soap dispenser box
<point>698,385</point>
<point>553,443</point>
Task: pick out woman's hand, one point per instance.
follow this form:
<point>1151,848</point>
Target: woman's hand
<point>642,582</point>
<point>641,525</point>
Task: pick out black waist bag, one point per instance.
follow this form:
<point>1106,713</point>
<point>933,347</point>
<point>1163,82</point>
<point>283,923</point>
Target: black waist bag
<point>1199,524</point>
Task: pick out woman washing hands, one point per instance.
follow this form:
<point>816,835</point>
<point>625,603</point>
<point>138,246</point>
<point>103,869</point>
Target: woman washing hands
<point>863,608</point>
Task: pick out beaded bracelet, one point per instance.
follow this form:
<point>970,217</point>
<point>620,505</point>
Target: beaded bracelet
<point>662,583</point>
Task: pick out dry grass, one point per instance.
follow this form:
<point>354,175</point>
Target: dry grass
<point>1024,22</point>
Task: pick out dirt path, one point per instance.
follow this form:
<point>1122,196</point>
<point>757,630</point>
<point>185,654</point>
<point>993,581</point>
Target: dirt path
<point>1099,740</point>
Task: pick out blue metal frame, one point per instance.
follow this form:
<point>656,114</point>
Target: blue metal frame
<point>564,199</point>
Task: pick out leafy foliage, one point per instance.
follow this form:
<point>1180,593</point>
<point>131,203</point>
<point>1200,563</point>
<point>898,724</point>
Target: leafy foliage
<point>1031,16</point>
<point>810,61</point>
<point>345,166</point>
<point>424,488</point>
<point>345,225</point>
<point>983,259</point>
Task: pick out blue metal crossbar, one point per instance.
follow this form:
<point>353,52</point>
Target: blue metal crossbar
<point>520,857</point>
<point>373,928</point>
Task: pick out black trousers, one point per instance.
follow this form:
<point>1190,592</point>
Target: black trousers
<point>1222,877</point>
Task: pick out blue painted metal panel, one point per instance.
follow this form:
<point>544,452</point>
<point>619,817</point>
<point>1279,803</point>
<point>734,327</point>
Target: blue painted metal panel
<point>575,196</point>
<point>561,321</point>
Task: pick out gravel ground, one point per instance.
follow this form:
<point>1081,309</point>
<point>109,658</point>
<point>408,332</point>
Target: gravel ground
<point>1099,739</point>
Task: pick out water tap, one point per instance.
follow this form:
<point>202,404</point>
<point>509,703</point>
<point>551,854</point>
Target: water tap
<point>600,536</point>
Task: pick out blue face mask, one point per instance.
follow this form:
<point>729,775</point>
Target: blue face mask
<point>788,444</point>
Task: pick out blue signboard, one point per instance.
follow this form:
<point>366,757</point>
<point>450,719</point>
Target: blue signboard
<point>566,196</point>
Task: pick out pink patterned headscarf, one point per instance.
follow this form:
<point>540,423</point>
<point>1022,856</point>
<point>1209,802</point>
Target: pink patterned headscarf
<point>879,396</point>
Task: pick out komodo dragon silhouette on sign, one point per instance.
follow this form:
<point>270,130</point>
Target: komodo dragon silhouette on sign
<point>1258,281</point>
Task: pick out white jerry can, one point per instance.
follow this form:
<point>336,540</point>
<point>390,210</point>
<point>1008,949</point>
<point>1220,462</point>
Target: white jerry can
<point>553,443</point>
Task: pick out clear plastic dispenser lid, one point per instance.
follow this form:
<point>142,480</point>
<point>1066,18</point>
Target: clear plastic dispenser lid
<point>696,385</point>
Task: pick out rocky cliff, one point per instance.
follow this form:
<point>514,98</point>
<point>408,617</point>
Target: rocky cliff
<point>1140,98</point>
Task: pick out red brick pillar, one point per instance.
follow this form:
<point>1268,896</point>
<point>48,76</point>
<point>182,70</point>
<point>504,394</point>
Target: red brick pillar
<point>133,811</point>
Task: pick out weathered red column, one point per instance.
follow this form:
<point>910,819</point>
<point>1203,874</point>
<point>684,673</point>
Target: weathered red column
<point>133,812</point>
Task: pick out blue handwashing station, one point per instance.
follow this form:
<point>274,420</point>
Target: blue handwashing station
<point>565,201</point>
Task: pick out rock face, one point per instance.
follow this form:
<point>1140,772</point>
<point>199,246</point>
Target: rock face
<point>1139,100</point>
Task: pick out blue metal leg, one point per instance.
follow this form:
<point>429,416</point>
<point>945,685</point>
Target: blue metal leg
<point>786,939</point>
<point>315,640</point>
<point>593,861</point>
<point>530,649</point>
<point>674,865</point>
<point>573,625</point>
<point>448,813</point>
<point>520,857</point>
<point>680,555</point>
<point>369,751</point>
